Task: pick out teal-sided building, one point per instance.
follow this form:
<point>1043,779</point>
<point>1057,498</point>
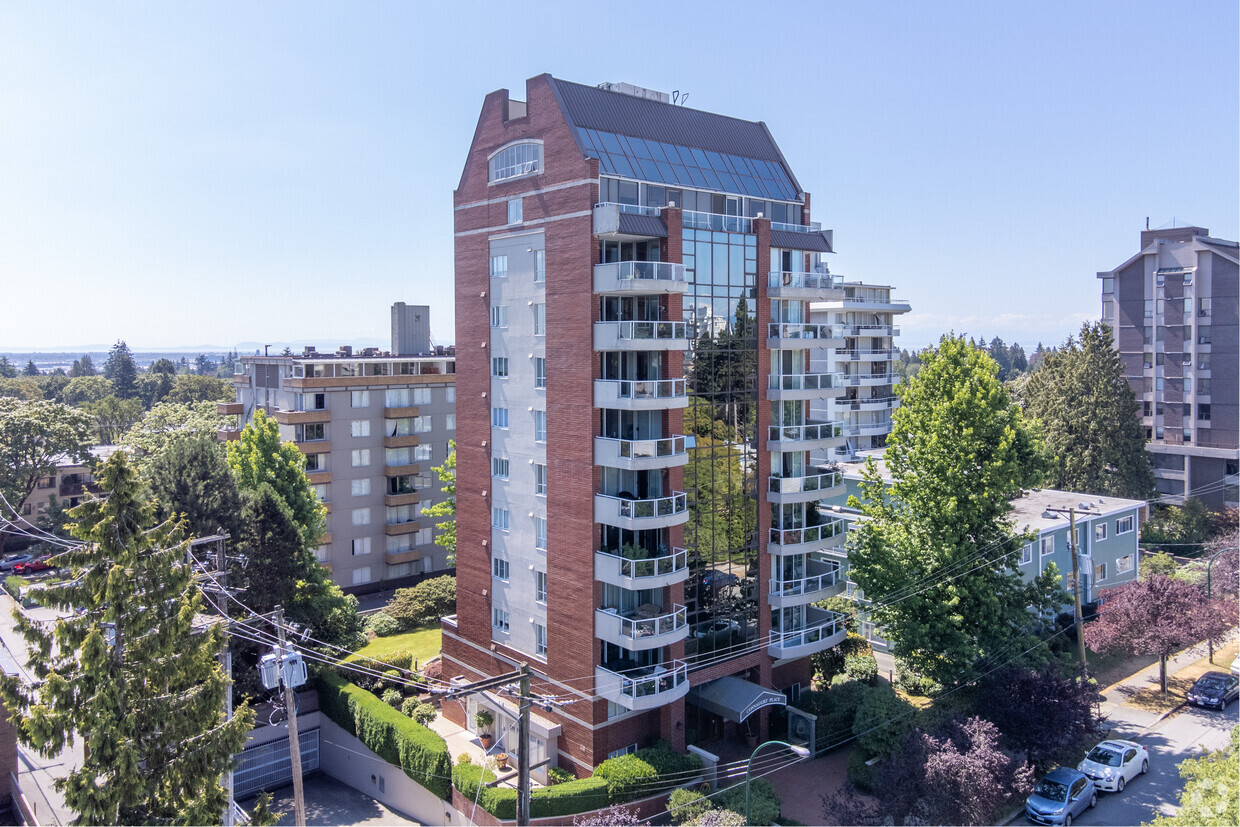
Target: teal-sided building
<point>1107,530</point>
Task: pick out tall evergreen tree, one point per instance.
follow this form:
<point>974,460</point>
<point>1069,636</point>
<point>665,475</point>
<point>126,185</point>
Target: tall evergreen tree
<point>31,369</point>
<point>1091,418</point>
<point>83,367</point>
<point>999,352</point>
<point>7,371</point>
<point>1016,355</point>
<point>259,456</point>
<point>128,672</point>
<point>191,478</point>
<point>122,370</point>
<point>959,450</point>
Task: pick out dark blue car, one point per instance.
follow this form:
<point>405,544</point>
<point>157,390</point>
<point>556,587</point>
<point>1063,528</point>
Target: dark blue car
<point>1061,795</point>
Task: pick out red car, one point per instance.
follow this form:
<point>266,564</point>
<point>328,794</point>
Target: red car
<point>32,566</point>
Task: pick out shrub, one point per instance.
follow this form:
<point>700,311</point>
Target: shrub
<point>860,773</point>
<point>559,775</point>
<point>668,763</point>
<point>13,585</point>
<point>685,805</point>
<point>423,713</point>
<point>911,683</point>
<point>862,667</point>
<point>464,758</point>
<point>393,697</point>
<point>719,818</point>
<point>382,624</point>
<point>882,720</point>
<point>401,659</point>
<point>545,802</point>
<point>470,781</point>
<point>830,663</point>
<point>433,671</point>
<point>421,753</point>
<point>763,801</point>
<point>423,603</point>
<point>626,776</point>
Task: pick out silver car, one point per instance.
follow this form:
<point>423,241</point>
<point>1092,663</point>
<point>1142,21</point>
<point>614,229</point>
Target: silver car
<point>1114,763</point>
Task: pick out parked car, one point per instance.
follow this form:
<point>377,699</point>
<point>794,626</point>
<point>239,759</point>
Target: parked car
<point>32,566</point>
<point>12,560</point>
<point>1235,667</point>
<point>1216,689</point>
<point>1060,796</point>
<point>1114,763</point>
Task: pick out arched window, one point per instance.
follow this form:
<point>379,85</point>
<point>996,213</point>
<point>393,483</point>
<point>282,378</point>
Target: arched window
<point>515,161</point>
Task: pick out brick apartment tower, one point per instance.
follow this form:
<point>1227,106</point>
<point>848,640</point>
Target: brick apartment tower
<point>1175,308</point>
<point>638,470</point>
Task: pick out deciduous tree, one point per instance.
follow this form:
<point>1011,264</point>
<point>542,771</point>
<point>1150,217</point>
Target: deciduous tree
<point>113,417</point>
<point>259,456</point>
<point>190,388</point>
<point>1041,712</point>
<point>166,423</point>
<point>83,389</point>
<point>1091,418</point>
<point>129,672</point>
<point>446,536</point>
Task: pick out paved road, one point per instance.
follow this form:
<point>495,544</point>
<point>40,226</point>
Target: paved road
<point>1170,741</point>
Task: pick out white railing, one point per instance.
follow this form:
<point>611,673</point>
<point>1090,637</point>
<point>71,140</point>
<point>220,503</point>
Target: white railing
<point>678,560</point>
<point>814,632</point>
<point>810,281</point>
<point>669,331</point>
<point>812,227</point>
<point>804,433</point>
<point>636,209</point>
<point>714,221</point>
<point>640,627</point>
<point>797,485</point>
<point>651,682</point>
<point>806,381</point>
<point>795,330</point>
<point>865,354</point>
<point>806,585</point>
<point>677,503</point>
<point>648,388</point>
<point>811,534</point>
<point>648,448</point>
<point>882,401</point>
<point>646,270</point>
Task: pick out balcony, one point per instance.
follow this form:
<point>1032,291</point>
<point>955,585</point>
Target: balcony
<point>804,437</point>
<point>868,428</point>
<point>873,330</point>
<point>660,512</point>
<point>402,499</point>
<point>401,441</point>
<point>400,412</point>
<point>639,277</point>
<point>400,470</point>
<point>301,417</point>
<point>397,529</point>
<point>647,627</point>
<point>640,454</point>
<point>865,355</point>
<point>716,221</point>
<point>643,688</point>
<point>872,403</point>
<point>810,488</point>
<point>822,581</point>
<point>790,335</point>
<point>229,408</point>
<point>868,379</point>
<point>228,434</point>
<point>891,303</point>
<point>822,630</point>
<point>395,558</point>
<point>640,394</point>
<point>628,221</point>
<point>829,535</point>
<point>802,386</point>
<point>782,284</point>
<point>314,446</point>
<point>650,573</point>
<point>319,477</point>
<point>649,336</point>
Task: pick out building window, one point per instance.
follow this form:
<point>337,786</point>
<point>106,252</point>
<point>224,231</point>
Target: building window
<point>449,422</point>
<point>314,432</point>
<point>422,453</point>
<point>540,320</point>
<point>499,468</point>
<point>361,457</point>
<point>320,491</point>
<point>360,488</point>
<point>361,516</point>
<point>1026,555</point>
<point>359,427</point>
<point>421,396</point>
<point>1100,531</point>
<point>1123,525</point>
<point>540,372</point>
<point>361,545</point>
<point>499,267</point>
<point>540,265</point>
<point>540,586</point>
<point>1100,572</point>
<point>1108,285</point>
<point>499,518</point>
<point>1158,432</point>
<point>499,367</point>
<point>316,462</point>
<point>1108,310</point>
<point>421,424</point>
<point>1203,307</point>
<point>1124,564</point>
<point>396,398</point>
<point>515,161</point>
<point>515,211</point>
<point>540,426</point>
<point>1203,335</point>
<point>1203,361</point>
<point>361,576</point>
<point>1203,411</point>
<point>359,399</point>
<point>616,753</point>
<point>499,315</point>
<point>540,533</point>
<point>540,479</point>
<point>1203,388</point>
<point>499,418</point>
<point>1048,545</point>
<point>1188,435</point>
<point>499,619</point>
<point>499,568</point>
<point>540,640</point>
<point>311,401</point>
<point>1149,308</point>
<point>449,394</point>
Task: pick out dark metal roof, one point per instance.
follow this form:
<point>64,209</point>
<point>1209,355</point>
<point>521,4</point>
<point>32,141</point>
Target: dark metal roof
<point>595,108</point>
<point>814,242</point>
<point>647,225</point>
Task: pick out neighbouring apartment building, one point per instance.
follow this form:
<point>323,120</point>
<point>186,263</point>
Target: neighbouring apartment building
<point>372,425</point>
<point>1174,307</point>
<point>643,419</point>
<point>70,484</point>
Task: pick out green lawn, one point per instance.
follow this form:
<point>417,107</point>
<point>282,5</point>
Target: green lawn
<point>423,643</point>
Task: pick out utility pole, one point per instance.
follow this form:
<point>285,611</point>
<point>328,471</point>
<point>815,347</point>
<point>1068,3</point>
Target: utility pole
<point>294,744</point>
<point>1076,580</point>
<point>523,736</point>
<point>221,565</point>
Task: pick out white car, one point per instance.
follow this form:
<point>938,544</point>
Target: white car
<point>1114,763</point>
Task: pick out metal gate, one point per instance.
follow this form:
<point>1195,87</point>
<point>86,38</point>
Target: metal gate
<point>269,766</point>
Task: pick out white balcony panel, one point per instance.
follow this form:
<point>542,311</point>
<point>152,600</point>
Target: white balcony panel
<point>653,277</point>
<point>640,395</point>
<point>646,336</point>
<point>804,386</point>
<point>806,489</point>
<point>659,512</point>
<point>632,690</point>
<point>807,437</point>
<point>823,580</point>
<point>640,454</point>
<point>650,573</point>
<point>808,286</point>
<point>789,335</point>
<point>822,631</point>
<point>641,633</point>
<point>825,537</point>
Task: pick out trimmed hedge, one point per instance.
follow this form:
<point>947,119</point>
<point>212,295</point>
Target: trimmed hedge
<point>500,802</point>
<point>764,803</point>
<point>568,798</point>
<point>421,753</point>
<point>626,776</point>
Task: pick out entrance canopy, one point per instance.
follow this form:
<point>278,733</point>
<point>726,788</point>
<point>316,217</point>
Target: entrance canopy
<point>734,698</point>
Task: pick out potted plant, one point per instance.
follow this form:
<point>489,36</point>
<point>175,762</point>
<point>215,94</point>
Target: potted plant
<point>501,760</point>
<point>484,720</point>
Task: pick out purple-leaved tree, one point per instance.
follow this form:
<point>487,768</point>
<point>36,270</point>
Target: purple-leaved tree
<point>1040,711</point>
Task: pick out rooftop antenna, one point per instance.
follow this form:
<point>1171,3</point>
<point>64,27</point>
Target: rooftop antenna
<point>678,98</point>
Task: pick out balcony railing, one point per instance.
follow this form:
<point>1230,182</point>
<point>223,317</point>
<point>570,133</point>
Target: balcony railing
<point>795,330</point>
<point>874,330</point>
<point>715,221</point>
<point>865,355</point>
<point>650,276</point>
<point>677,503</point>
<point>635,209</point>
<point>811,227</point>
<point>667,331</point>
<point>870,402</point>
<point>805,433</point>
<point>643,688</point>
<point>820,628</point>
<point>806,381</point>
<point>649,567</point>
<point>808,281</point>
<point>650,448</point>
<point>645,627</point>
<point>648,388</point>
<point>806,585</point>
<point>797,485</point>
<point>858,378</point>
<point>810,534</point>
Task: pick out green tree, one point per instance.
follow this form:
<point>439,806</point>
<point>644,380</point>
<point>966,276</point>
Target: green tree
<point>258,456</point>
<point>164,366</point>
<point>1016,354</point>
<point>31,369</point>
<point>191,479</point>
<point>113,417</point>
<point>1003,358</point>
<point>446,537</point>
<point>53,385</point>
<point>129,672</point>
<point>121,369</point>
<point>34,438</point>
<point>23,387</point>
<point>190,388</point>
<point>83,367</point>
<point>1091,418</point>
<point>153,387</point>
<point>166,423</point>
<point>7,370</point>
<point>958,452</point>
<point>424,603</point>
<point>1211,793</point>
<point>1180,526</point>
<point>82,389</point>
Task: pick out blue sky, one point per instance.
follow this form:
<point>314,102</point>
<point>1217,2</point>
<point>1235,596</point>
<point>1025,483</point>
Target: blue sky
<point>212,173</point>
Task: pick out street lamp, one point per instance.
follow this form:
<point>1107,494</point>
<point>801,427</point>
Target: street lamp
<point>802,752</point>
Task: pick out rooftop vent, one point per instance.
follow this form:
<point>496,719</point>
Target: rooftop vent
<point>345,350</point>
<point>1050,515</point>
<point>636,91</point>
<point>309,351</point>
